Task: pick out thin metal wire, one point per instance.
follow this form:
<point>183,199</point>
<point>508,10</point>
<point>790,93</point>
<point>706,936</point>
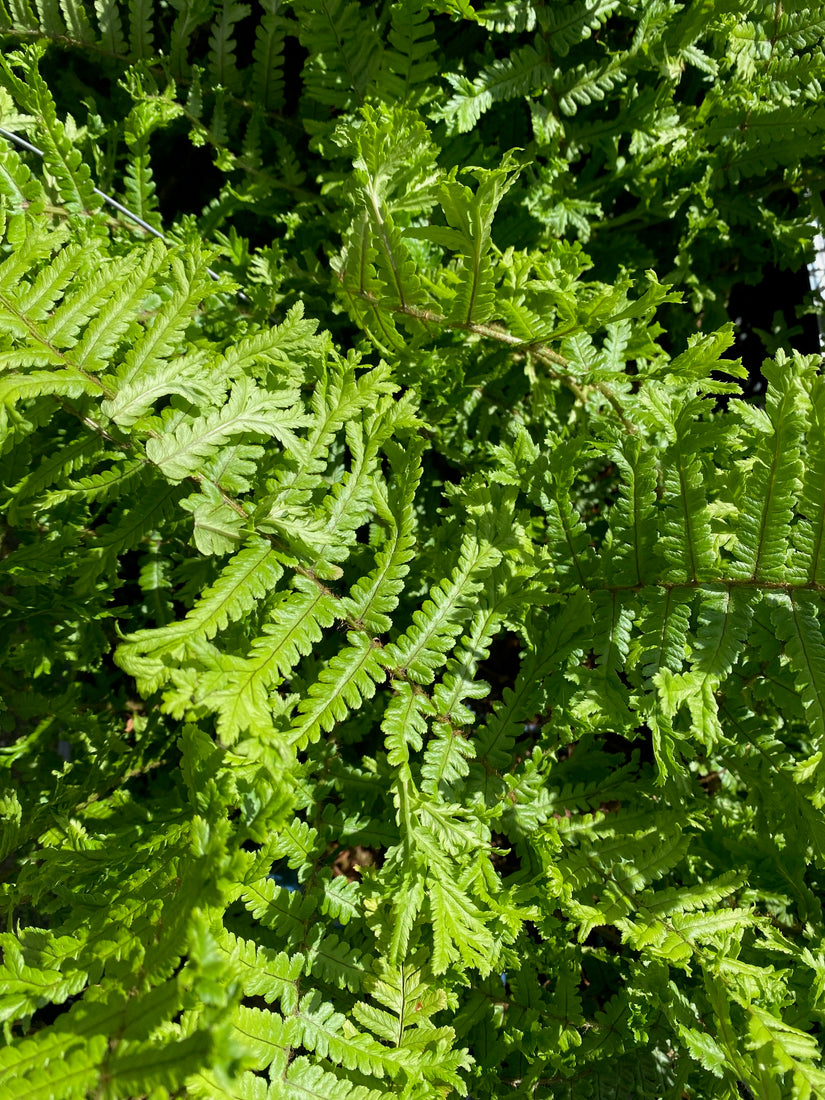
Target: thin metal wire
<point>136,218</point>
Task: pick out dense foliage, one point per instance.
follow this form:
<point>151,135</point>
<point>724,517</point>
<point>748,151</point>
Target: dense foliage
<point>412,654</point>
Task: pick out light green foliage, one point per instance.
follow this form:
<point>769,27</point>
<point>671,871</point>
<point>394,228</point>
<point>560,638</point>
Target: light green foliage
<point>427,700</point>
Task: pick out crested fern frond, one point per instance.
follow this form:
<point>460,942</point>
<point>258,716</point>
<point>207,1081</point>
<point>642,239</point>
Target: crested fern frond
<point>470,217</point>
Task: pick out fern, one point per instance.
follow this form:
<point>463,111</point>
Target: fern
<point>525,71</point>
<point>428,699</point>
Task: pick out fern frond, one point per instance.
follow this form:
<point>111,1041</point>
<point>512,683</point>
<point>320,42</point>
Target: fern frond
<point>165,1065</point>
<point>664,629</point>
<point>566,27</point>
<point>349,678</point>
<point>111,26</point>
<point>338,963</point>
<point>247,579</point>
<point>797,622</point>
<point>322,1031</point>
<point>60,155</point>
<point>268,56</point>
<point>222,60</point>
<point>568,631</point>
<point>77,21</point>
<point>141,30</point>
<point>179,452</point>
<point>771,486</point>
<point>73,1075</point>
<point>551,477</point>
<point>375,595</point>
<point>408,65</point>
<point>67,383</point>
<point>190,281</point>
<point>25,199</point>
<point>139,186</point>
<point>459,681</point>
<point>264,1035</point>
<point>52,468</point>
<point>808,532</point>
<point>102,335</point>
<point>304,1078</point>
<point>470,217</point>
<point>687,543</point>
<point>724,623</point>
<point>459,932</point>
<point>404,724</point>
<point>582,85</point>
<point>20,15</point>
<point>445,761</point>
<point>262,972</point>
<point>613,617</point>
<point>206,1085</point>
<point>628,552</point>
<point>240,692</point>
<point>526,70</point>
<point>344,49</point>
<point>419,650</point>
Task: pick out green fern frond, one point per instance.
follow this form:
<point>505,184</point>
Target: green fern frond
<point>349,678</point>
<point>419,650</point>
<point>267,74</point>
<point>566,27</point>
<point>110,25</point>
<point>408,66</point>
<point>344,51</point>
<point>60,155</point>
<point>141,30</point>
<point>525,71</point>
<point>772,483</point>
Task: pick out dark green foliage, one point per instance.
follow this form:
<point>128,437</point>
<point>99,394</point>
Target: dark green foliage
<point>425,700</point>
